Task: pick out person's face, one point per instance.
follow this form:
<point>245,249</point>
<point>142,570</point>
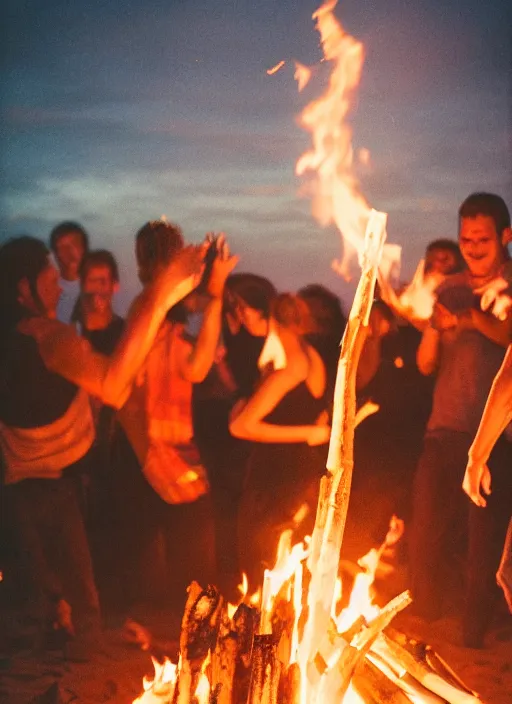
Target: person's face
<point>98,288</point>
<point>69,250</point>
<point>441,261</point>
<point>48,292</point>
<point>252,320</point>
<point>480,245</point>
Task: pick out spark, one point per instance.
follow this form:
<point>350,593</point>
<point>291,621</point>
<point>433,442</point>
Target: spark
<point>275,69</point>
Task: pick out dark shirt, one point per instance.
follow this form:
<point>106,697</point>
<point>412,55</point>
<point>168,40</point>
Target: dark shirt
<point>31,396</point>
<point>468,364</point>
<point>242,353</point>
<point>404,397</point>
<point>106,339</point>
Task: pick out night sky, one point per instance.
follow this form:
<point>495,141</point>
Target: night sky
<point>115,113</point>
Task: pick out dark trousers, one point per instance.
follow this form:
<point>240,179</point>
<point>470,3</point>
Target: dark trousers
<point>225,459</point>
<point>445,523</point>
<point>54,558</point>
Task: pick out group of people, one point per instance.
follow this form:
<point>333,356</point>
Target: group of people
<point>177,444</point>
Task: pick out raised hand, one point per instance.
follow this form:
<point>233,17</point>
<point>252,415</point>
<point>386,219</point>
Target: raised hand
<point>222,266</point>
<point>183,273</point>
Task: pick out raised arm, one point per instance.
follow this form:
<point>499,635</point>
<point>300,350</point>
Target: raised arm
<point>249,424</point>
<point>496,416</point>
<point>69,355</point>
<point>429,349</point>
<point>428,353</point>
<point>198,364</point>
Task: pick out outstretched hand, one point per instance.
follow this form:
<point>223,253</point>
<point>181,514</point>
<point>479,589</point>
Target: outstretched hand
<point>223,264</point>
<point>477,482</point>
<point>184,272</point>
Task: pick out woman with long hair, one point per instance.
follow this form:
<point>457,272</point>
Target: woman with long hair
<point>286,418</point>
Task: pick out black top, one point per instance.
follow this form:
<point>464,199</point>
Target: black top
<point>289,464</point>
<point>31,396</point>
<point>105,340</point>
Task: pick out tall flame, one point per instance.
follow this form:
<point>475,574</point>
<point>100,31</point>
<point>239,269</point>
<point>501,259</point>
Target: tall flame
<point>337,196</point>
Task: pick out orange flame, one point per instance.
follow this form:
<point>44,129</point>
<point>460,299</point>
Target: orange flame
<point>337,197</point>
<point>161,686</point>
<point>243,589</point>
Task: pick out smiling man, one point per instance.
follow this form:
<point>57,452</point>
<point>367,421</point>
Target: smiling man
<point>465,347</point>
<point>99,281</point>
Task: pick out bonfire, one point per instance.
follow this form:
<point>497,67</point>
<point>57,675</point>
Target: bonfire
<point>291,643</point>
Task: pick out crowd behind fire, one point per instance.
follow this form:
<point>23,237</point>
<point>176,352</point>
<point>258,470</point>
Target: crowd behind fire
<point>140,454</point>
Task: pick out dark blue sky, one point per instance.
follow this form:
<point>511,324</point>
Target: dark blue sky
<point>118,112</point>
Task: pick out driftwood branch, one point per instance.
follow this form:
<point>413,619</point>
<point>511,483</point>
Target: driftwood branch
<point>335,488</point>
<point>394,653</point>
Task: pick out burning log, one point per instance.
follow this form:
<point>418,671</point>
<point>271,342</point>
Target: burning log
<point>224,661</point>
<point>199,627</point>
<point>244,623</point>
<point>266,671</point>
<point>231,659</point>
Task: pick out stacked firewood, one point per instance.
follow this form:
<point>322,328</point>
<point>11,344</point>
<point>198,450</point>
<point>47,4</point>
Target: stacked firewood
<point>243,666</point>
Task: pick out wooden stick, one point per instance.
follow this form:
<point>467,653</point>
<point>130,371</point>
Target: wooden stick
<point>245,622</point>
<point>390,650</point>
<point>224,661</point>
<point>374,686</point>
<point>360,644</point>
<point>335,489</point>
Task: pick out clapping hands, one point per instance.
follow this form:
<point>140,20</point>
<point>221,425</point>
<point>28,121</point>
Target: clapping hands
<point>223,263</point>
